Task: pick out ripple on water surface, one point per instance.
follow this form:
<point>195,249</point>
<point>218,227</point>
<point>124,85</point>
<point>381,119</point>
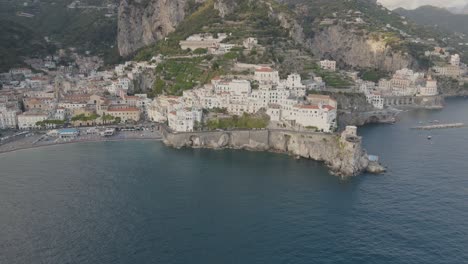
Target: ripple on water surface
<point>140,202</point>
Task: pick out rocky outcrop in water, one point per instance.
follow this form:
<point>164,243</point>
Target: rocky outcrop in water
<point>342,154</point>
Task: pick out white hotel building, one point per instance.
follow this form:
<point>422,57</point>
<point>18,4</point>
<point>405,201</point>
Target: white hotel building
<point>8,117</point>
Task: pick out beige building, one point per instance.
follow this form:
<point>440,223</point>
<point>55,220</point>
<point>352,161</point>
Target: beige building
<point>317,99</point>
<point>449,71</point>
<point>124,113</point>
<point>202,41</point>
<point>328,65</point>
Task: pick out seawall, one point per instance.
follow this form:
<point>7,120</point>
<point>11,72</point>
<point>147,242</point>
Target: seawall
<point>342,154</point>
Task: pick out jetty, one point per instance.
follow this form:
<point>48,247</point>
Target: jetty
<point>439,126</point>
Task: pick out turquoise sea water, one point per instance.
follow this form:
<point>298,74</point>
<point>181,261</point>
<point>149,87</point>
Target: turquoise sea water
<point>140,202</point>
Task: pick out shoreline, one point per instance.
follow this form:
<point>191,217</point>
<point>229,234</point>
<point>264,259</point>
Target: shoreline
<point>77,142</point>
<point>341,153</point>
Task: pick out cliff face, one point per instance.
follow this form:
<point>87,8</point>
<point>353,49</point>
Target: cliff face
<point>143,22</point>
<point>347,47</point>
<point>343,157</point>
<point>354,50</point>
<point>143,82</point>
<point>225,7</point>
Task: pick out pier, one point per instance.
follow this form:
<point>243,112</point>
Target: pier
<point>440,126</point>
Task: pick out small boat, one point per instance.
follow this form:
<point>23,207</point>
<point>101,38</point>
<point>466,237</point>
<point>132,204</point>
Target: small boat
<point>429,137</point>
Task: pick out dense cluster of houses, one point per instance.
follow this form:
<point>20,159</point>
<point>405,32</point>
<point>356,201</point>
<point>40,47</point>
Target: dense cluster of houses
<point>404,83</point>
<point>454,68</point>
<point>283,101</point>
<point>31,99</point>
<point>50,93</point>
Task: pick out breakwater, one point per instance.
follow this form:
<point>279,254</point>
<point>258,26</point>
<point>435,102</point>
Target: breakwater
<point>439,126</point>
<point>343,154</point>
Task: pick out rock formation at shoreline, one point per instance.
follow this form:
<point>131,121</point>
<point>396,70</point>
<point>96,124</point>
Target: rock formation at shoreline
<point>342,154</point>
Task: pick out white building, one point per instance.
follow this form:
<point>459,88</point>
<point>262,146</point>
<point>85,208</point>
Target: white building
<point>375,99</point>
<point>373,96</point>
<point>221,48</point>
<point>28,120</point>
<point>266,75</point>
<point>21,71</point>
<point>282,100</point>
<point>328,65</point>
<point>161,106</point>
<point>430,89</point>
<point>449,71</point>
<point>60,114</point>
<point>250,43</point>
<point>235,87</point>
<point>404,82</point>
<point>8,117</point>
<point>320,117</point>
<point>455,60</point>
<point>185,119</point>
<point>202,41</point>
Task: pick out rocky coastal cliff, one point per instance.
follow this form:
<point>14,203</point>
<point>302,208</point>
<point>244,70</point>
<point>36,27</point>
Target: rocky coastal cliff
<point>342,154</point>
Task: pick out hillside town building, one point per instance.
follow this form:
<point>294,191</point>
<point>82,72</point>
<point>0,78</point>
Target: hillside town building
<point>202,41</point>
<point>29,120</point>
<point>328,65</point>
<point>281,99</point>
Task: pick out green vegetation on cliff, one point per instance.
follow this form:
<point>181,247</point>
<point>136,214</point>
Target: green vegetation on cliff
<point>185,69</point>
<point>17,41</point>
<point>245,121</point>
<point>176,75</point>
<point>373,75</point>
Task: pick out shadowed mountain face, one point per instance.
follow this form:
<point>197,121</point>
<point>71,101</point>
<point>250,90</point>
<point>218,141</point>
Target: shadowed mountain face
<point>24,28</point>
<point>434,16</point>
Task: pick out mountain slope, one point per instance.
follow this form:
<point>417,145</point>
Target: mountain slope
<point>367,44</point>
<point>430,15</point>
<point>91,28</point>
<point>355,33</point>
<point>17,41</point>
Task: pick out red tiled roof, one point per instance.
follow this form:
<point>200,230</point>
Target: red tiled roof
<point>329,107</point>
<point>264,69</point>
